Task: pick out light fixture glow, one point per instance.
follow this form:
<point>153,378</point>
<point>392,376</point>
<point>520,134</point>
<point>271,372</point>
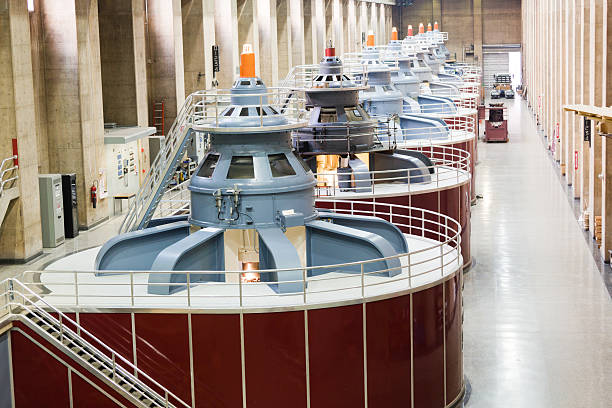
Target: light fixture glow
<point>30,5</point>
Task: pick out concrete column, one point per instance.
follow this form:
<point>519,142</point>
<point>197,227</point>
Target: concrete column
<point>373,22</point>
<point>363,23</point>
<point>318,29</point>
<point>568,151</point>
<point>193,46</point>
<point>283,35</point>
<point>226,30</point>
<point>477,31</point>
<point>585,33</point>
<point>20,233</point>
<point>123,62</point>
<point>596,95</point>
<point>385,34</point>
<point>166,68</point>
<point>297,21</point>
<point>339,29</point>
<point>208,31</point>
<point>606,128</point>
<point>268,53</point>
<point>74,103</point>
<point>309,22</point>
<point>248,28</point>
<point>577,97</point>
<point>328,12</point>
<point>354,37</point>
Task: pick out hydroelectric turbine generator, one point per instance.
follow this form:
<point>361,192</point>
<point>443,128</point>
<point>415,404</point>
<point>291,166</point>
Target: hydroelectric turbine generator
<point>252,208</point>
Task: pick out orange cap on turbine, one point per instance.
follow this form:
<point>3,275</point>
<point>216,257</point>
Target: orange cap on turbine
<point>410,33</point>
<point>394,34</point>
<point>421,29</point>
<point>247,62</point>
<point>370,42</point>
<point>436,26</point>
<point>428,26</point>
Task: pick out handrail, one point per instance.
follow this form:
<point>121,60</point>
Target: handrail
<point>9,295</point>
<point>440,249</point>
<point>4,171</point>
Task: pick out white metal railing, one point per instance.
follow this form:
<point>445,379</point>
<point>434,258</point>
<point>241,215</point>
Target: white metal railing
<point>19,302</point>
<point>8,173</point>
<point>175,201</point>
<point>438,255</point>
<point>450,165</point>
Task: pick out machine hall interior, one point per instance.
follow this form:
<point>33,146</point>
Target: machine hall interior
<point>310,203</point>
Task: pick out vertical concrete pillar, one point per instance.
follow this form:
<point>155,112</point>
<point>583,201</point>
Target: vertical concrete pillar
<point>569,91</point>
<point>373,23</point>
<point>339,29</point>
<point>73,82</point>
<point>328,12</point>
<point>309,22</point>
<point>384,35</point>
<point>268,53</point>
<point>318,29</point>
<point>226,30</point>
<point>283,35</point>
<point>585,98</point>
<point>297,21</point>
<point>248,28</point>
<point>208,31</point>
<point>354,37</point>
<point>606,195</point>
<point>166,68</point>
<point>363,23</point>
<point>477,4</point>
<point>577,97</point>
<point>124,87</point>
<point>596,85</point>
<point>193,46</point>
<point>20,233</point>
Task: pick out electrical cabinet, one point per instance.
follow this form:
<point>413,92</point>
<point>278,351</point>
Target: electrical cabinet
<point>51,209</point>
<point>71,217</point>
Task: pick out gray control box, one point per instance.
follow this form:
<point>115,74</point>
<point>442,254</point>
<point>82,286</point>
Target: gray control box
<point>51,209</point>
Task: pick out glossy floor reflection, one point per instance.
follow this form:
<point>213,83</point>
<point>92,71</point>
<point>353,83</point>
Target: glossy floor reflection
<point>538,318</point>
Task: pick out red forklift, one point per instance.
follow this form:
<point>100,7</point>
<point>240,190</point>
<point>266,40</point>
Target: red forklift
<point>496,124</point>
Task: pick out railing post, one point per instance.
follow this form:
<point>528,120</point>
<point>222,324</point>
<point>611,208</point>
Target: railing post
<point>304,283</point>
<point>114,366</point>
<point>240,287</point>
<point>132,287</point>
<point>61,329</point>
<point>188,289</point>
<point>362,282</point>
<point>166,403</point>
<point>76,288</point>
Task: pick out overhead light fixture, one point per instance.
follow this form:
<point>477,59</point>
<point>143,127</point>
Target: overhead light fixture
<point>30,5</point>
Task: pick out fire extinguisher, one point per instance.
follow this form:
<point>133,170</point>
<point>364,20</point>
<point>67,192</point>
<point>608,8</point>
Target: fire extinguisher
<point>94,195</point>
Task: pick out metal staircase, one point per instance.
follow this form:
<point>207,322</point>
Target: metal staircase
<point>8,188</point>
<point>21,304</point>
<point>162,169</point>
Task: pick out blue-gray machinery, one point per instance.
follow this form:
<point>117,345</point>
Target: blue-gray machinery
<point>339,125</point>
<point>251,179</point>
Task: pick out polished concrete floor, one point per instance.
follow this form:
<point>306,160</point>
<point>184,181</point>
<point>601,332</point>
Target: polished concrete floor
<point>538,317</point>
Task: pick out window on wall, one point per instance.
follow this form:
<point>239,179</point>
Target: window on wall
<point>279,164</point>
<point>241,167</point>
<point>209,165</point>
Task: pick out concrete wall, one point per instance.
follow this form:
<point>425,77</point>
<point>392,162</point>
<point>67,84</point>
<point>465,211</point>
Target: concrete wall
<point>500,21</point>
